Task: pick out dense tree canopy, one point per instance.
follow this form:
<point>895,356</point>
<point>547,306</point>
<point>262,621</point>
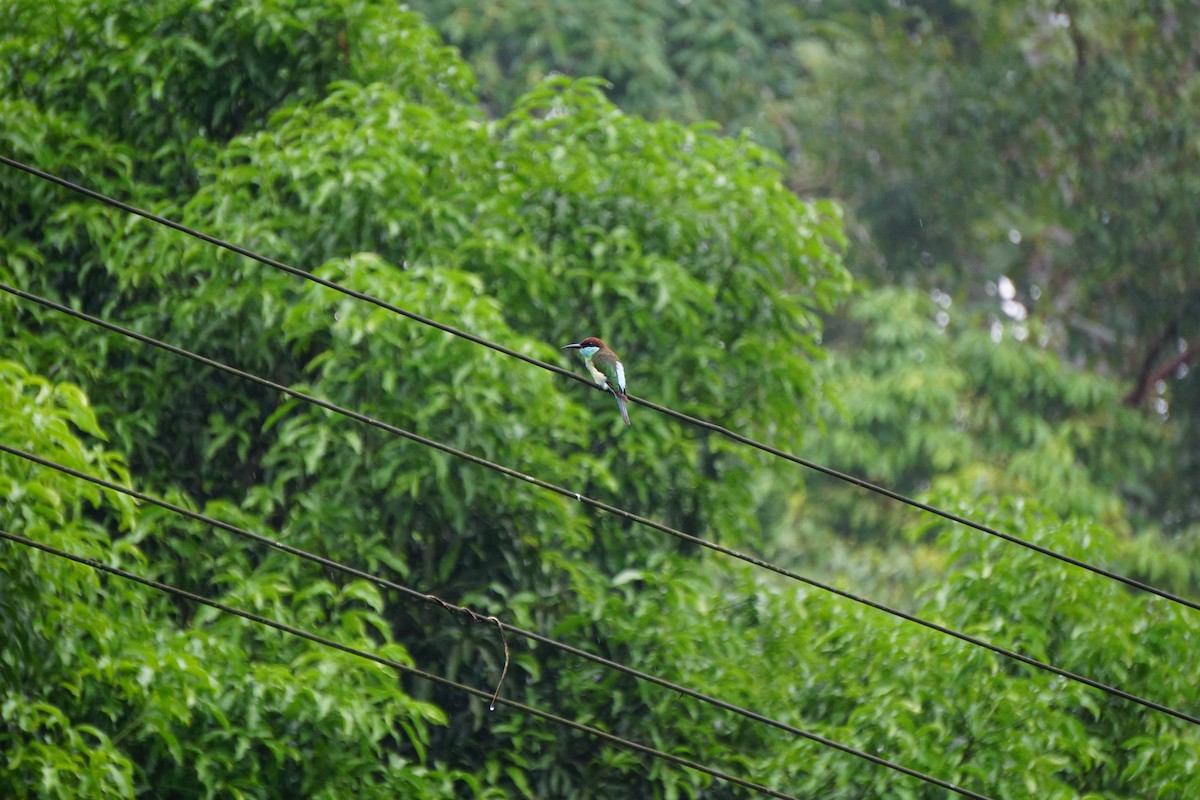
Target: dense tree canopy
<point>1038,148</point>
<point>349,141</point>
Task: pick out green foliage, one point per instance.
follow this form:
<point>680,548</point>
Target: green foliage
<point>563,234</point>
<point>107,690</point>
<point>1066,179</point>
<point>369,162</point>
<point>884,686</point>
<point>172,79</point>
<point>1084,621</point>
<point>921,392</point>
<point>922,397</point>
<point>1043,143</point>
<point>734,62</point>
<point>347,140</point>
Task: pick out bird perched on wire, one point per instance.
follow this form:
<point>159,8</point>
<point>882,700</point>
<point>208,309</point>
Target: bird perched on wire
<point>606,369</point>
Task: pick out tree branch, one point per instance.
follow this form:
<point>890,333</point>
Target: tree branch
<point>1149,377</point>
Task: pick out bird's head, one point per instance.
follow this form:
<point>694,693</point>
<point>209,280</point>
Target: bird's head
<point>587,347</point>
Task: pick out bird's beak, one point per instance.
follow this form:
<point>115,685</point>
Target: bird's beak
<point>570,347</point>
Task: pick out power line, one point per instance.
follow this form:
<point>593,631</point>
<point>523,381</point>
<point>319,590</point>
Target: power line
<point>477,617</point>
<point>399,667</point>
<point>679,415</point>
<point>602,506</point>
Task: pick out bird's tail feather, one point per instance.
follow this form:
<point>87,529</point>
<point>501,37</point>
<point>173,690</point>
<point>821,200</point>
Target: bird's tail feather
<point>621,404</point>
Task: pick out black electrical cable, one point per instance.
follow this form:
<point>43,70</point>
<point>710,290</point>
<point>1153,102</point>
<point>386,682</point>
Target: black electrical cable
<point>478,617</point>
<point>700,423</point>
<point>399,667</point>
<point>602,506</point>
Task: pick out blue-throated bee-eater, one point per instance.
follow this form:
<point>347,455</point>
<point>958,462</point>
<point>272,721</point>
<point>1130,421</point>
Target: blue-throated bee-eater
<point>606,369</point>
